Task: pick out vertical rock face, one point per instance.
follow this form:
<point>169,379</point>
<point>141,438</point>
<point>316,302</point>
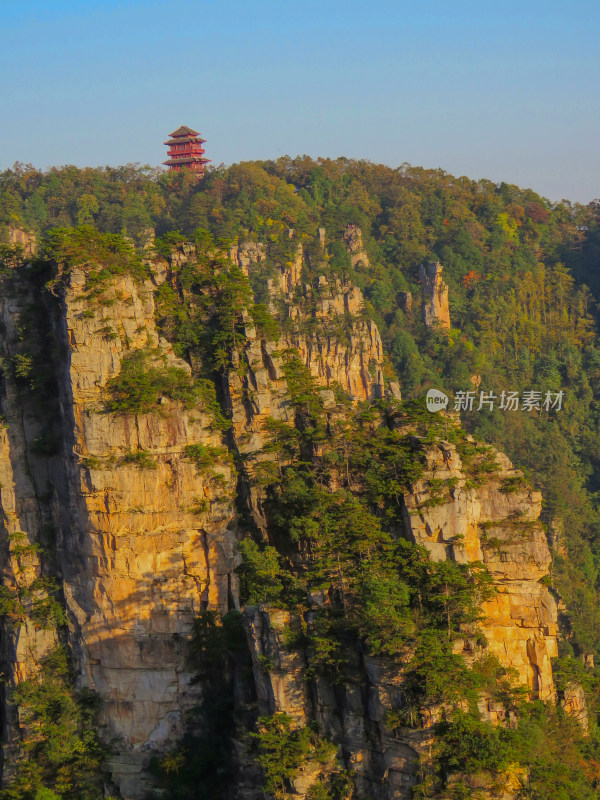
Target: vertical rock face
<point>323,321</point>
<point>24,479</point>
<point>344,348</point>
<point>17,237</point>
<point>496,523</point>
<point>248,253</point>
<point>434,296</point>
<point>145,540</point>
<point>354,245</point>
<point>354,714</point>
<point>145,544</point>
<point>574,703</point>
<point>142,541</point>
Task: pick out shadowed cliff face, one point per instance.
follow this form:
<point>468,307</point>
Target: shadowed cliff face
<point>145,539</point>
<point>24,478</point>
<point>142,543</point>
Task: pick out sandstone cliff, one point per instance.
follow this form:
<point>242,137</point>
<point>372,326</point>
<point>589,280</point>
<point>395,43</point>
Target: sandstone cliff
<point>143,539</point>
<point>495,522</point>
<point>355,247</point>
<point>458,513</point>
<point>323,321</point>
<point>147,543</point>
<point>26,523</point>
<point>24,241</point>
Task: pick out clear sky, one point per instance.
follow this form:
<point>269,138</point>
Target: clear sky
<point>504,90</point>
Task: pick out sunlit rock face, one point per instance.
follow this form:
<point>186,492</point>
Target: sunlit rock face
<point>498,524</point>
<point>495,522</point>
<point>144,543</point>
<point>22,240</point>
<point>141,541</point>
<point>434,296</point>
<point>353,240</point>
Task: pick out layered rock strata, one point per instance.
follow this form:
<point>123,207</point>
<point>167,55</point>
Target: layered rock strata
<point>144,539</point>
<point>492,519</point>
<point>324,323</point>
<point>495,522</point>
<point>147,542</point>
<point>324,326</point>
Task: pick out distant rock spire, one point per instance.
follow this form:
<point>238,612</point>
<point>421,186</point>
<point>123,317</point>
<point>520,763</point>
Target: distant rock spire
<point>354,245</point>
<point>434,296</point>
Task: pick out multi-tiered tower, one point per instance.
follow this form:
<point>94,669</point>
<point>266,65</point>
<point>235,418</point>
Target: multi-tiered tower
<point>185,150</point>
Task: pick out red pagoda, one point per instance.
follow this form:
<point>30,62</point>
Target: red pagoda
<point>185,150</point>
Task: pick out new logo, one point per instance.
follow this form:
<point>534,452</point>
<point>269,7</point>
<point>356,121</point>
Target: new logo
<point>436,400</point>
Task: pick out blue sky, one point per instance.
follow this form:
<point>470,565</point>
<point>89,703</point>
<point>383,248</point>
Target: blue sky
<point>504,90</point>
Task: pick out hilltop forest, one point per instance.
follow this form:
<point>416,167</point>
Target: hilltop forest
<point>524,282</point>
<point>524,292</point>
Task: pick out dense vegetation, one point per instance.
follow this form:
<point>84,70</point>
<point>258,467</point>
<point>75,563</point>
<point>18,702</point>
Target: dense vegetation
<point>516,264</point>
<point>143,382</point>
<point>333,490</point>
<point>61,753</point>
<point>524,285</point>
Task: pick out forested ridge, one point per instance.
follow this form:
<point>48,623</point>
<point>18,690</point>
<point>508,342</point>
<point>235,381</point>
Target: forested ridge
<point>522,274</point>
<point>524,284</point>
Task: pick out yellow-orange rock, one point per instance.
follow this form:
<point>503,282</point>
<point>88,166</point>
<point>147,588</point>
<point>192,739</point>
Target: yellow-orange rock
<point>496,523</point>
<point>144,549</point>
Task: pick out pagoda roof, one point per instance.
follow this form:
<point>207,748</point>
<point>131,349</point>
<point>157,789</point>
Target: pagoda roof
<point>187,160</point>
<point>184,131</point>
<point>184,139</point>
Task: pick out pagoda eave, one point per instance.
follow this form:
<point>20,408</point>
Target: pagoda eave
<point>184,161</point>
<point>185,140</point>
